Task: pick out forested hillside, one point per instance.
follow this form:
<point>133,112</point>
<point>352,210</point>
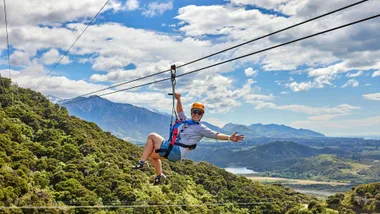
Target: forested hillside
<point>49,158</point>
<point>364,198</point>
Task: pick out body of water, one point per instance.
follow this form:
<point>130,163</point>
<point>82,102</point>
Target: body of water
<point>239,170</point>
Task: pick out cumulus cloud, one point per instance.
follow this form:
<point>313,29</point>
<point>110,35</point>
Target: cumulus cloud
<point>53,56</point>
<point>364,126</point>
<point>224,20</point>
<point>260,3</point>
<point>340,109</point>
<point>358,51</point>
<point>375,96</point>
<point>302,86</point>
<point>156,8</point>
<point>353,83</point>
<point>20,58</point>
<point>65,88</point>
<point>325,117</point>
<point>109,47</point>
<point>132,4</point>
<point>359,73</point>
<point>103,63</point>
<point>54,13</point>
<point>249,72</point>
<point>320,113</point>
<point>376,74</point>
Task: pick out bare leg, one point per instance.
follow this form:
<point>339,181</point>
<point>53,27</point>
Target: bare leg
<point>156,161</point>
<point>153,142</point>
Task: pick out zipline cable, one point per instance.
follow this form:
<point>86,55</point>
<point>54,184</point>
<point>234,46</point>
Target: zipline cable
<point>236,58</point>
<point>72,44</point>
<point>123,83</point>
<point>224,50</point>
<point>139,206</point>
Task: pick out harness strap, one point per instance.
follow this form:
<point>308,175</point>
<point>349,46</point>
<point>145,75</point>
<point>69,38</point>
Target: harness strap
<point>190,147</point>
<point>170,147</point>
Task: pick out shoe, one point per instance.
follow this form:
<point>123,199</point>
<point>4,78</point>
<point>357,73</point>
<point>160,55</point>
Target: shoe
<point>160,179</point>
<point>140,165</point>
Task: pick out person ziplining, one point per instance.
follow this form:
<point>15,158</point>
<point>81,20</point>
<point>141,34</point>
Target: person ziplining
<point>179,143</point>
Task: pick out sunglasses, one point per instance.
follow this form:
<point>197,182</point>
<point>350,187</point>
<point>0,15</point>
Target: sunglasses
<point>199,112</point>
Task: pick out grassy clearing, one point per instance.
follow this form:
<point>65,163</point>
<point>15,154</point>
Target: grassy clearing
<point>356,167</point>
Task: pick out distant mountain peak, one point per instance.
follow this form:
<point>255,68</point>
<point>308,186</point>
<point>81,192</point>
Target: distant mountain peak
<point>127,120</point>
<point>272,130</point>
<point>53,99</point>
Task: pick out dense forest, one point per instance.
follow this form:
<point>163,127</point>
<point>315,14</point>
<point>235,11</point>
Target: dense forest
<point>49,158</point>
<point>364,198</point>
<point>51,162</point>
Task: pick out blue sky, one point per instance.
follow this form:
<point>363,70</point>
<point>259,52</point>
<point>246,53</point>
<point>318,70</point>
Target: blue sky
<point>329,83</point>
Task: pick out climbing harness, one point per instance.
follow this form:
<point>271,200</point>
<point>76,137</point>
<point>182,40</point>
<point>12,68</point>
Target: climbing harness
<point>173,131</point>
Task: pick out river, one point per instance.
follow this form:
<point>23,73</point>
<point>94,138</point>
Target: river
<point>240,170</point>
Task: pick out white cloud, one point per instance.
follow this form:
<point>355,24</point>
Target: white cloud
<point>54,12</point>
<point>20,58</point>
<point>340,109</point>
<point>330,70</point>
<point>302,86</point>
<point>110,51</point>
<point>224,21</point>
<point>53,56</point>
<point>320,112</point>
<point>132,4</point>
<point>376,74</point>
<point>353,83</point>
<point>375,96</point>
<point>111,46</point>
<point>343,127</point>
<point>65,88</point>
<point>325,117</point>
<point>217,93</point>
<point>255,97</point>
<point>320,53</point>
<point>249,72</point>
<point>103,63</point>
<point>359,73</point>
<point>156,8</point>
<point>261,3</point>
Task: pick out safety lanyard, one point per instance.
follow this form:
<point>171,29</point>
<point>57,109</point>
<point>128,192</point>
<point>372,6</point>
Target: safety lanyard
<point>173,71</point>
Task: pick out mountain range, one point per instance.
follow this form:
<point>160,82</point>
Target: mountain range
<point>134,123</point>
<point>268,157</point>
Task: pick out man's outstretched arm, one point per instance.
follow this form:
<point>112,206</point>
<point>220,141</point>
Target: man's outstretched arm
<point>179,104</point>
<point>234,137</point>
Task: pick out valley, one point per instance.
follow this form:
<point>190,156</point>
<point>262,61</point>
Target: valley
<point>299,157</point>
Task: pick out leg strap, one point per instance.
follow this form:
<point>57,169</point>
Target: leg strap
<point>167,151</point>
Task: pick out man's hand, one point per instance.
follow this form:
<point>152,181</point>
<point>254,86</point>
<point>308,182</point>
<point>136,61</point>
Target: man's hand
<point>236,138</point>
<point>177,96</point>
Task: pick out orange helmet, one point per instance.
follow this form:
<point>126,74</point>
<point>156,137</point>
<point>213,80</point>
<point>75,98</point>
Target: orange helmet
<point>198,105</point>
